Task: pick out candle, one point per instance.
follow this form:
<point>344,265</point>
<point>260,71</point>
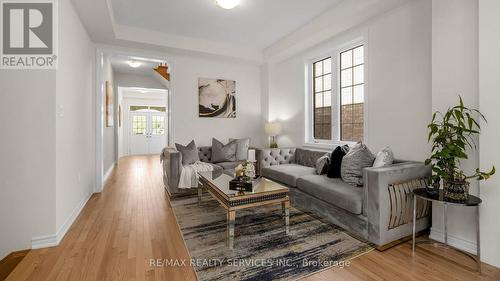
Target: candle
<point>251,155</point>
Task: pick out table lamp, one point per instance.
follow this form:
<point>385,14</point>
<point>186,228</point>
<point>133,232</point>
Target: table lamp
<point>273,129</point>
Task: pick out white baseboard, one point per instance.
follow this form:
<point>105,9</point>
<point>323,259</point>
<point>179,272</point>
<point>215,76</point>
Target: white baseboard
<point>454,241</point>
<point>55,239</point>
<point>44,241</point>
<point>107,174</point>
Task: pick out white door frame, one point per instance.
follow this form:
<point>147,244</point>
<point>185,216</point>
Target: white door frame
<point>131,99</point>
<point>99,106</point>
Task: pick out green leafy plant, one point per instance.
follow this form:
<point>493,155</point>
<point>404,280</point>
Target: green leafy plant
<point>452,134</point>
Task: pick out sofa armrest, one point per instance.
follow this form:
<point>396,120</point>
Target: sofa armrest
<point>267,157</point>
<point>172,166</point>
<point>382,185</point>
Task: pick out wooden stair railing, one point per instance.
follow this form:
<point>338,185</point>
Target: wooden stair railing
<point>162,69</point>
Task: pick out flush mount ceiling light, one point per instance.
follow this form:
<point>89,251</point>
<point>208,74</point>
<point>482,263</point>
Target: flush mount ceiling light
<point>227,4</point>
<point>134,64</point>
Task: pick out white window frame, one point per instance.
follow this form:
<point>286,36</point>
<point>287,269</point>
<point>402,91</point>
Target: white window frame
<point>309,100</point>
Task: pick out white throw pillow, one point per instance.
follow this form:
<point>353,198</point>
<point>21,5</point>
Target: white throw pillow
<point>385,157</point>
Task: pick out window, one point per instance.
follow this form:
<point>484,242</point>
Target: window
<point>158,124</point>
<point>139,125</point>
<point>352,82</point>
<point>338,111</point>
<point>144,108</point>
<point>322,99</point>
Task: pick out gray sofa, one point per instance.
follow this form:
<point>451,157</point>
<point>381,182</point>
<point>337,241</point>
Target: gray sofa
<point>380,211</point>
<point>172,165</point>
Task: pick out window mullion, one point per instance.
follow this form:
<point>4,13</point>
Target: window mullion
<point>335,97</point>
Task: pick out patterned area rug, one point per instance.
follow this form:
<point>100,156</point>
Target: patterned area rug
<point>262,250</point>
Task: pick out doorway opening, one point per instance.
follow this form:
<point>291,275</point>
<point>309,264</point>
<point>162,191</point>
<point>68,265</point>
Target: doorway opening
<point>132,107</point>
<point>145,127</point>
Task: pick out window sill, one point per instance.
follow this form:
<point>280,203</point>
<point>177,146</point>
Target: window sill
<point>326,146</point>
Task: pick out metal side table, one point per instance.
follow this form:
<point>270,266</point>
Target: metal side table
<point>472,201</point>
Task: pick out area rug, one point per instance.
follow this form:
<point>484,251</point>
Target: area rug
<point>262,250</point>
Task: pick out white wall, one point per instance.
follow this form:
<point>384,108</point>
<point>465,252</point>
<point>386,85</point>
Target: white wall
<point>47,154</point>
<point>27,149</point>
<point>398,86</point>
<point>489,99</point>
<point>454,72</point>
<point>186,123</point>
<point>108,141</point>
<point>75,152</point>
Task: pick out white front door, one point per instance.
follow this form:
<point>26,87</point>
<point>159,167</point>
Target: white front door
<point>147,131</point>
<point>157,133</point>
<point>139,133</point>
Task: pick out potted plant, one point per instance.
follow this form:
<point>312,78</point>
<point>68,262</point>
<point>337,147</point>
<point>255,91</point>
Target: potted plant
<point>452,134</point>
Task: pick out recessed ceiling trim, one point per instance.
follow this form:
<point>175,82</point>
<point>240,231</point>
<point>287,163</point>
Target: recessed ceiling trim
<point>345,16</point>
<point>180,42</point>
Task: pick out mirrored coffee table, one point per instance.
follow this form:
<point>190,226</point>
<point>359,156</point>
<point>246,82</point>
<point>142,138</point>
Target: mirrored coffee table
<point>265,192</point>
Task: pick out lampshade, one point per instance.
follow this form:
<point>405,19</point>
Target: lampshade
<point>273,128</point>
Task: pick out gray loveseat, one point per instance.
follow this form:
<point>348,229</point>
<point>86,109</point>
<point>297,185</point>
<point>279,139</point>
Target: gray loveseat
<point>380,211</point>
<point>172,165</point>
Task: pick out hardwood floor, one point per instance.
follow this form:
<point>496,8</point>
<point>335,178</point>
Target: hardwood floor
<point>131,222</point>
<point>10,262</point>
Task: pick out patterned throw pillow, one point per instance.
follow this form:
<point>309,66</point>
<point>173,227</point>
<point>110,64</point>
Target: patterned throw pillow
<point>189,153</point>
<point>385,157</point>
<point>322,164</point>
<point>336,160</point>
<point>223,153</point>
<point>353,163</point>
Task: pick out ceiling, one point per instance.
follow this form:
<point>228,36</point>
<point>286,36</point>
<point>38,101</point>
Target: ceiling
<point>253,24</point>
<point>120,65</point>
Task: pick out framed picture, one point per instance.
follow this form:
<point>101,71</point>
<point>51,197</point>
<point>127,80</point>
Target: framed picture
<point>217,98</point>
<point>109,104</point>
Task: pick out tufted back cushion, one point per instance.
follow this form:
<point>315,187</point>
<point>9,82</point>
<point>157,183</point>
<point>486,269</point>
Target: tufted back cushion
<point>205,153</point>
<point>277,156</point>
<point>307,157</point>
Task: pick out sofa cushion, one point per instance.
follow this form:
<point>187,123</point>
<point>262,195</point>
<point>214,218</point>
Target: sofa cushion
<point>287,173</point>
<point>322,164</point>
<point>336,161</point>
<point>205,153</point>
<point>229,165</point>
<point>223,152</point>
<point>242,146</point>
<point>189,153</point>
<point>333,191</point>
<point>384,157</point>
<point>353,163</point>
<point>306,157</point>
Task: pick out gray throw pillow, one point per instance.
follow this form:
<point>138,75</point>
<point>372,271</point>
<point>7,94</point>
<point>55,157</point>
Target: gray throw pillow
<point>223,153</point>
<point>189,153</point>
<point>385,157</point>
<point>353,163</point>
<point>242,146</point>
<point>322,164</point>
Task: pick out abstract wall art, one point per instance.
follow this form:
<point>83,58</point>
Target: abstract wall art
<point>217,98</point>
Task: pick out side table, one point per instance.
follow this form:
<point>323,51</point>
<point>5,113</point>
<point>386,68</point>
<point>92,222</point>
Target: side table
<point>472,201</point>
